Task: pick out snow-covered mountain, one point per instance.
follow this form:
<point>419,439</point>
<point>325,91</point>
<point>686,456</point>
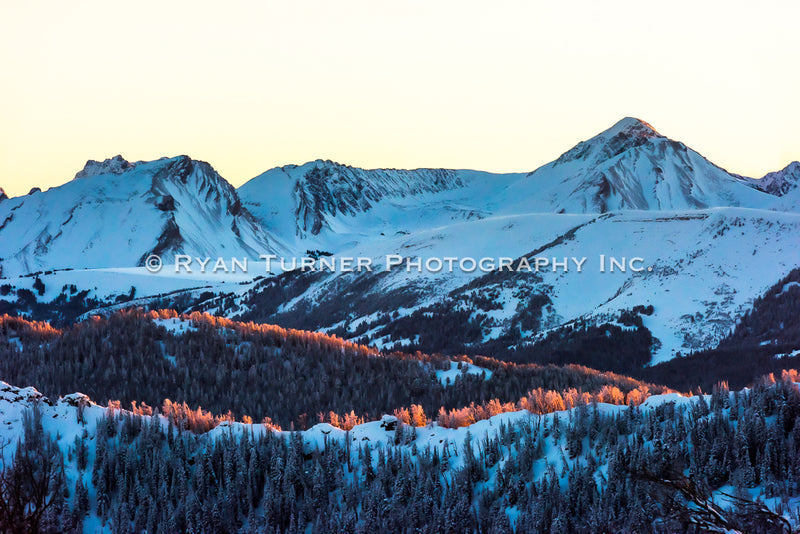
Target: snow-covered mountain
<point>780,183</point>
<point>326,205</point>
<point>788,202</point>
<point>693,248</point>
<point>630,166</point>
<point>321,190</point>
<point>628,191</point>
<point>115,213</point>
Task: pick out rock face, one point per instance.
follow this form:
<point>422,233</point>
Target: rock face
<point>166,203</point>
<point>389,422</point>
<point>115,165</point>
<point>328,189</point>
<point>782,182</point>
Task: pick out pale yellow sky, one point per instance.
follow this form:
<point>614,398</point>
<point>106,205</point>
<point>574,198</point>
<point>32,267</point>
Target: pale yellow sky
<point>498,86</point>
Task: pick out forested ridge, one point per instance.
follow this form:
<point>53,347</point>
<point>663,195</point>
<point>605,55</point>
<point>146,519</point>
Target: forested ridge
<point>293,377</point>
<point>619,343</point>
<point>457,326</point>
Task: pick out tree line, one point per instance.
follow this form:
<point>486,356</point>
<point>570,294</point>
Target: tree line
<point>295,378</point>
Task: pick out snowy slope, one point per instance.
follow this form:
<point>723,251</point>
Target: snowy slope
<point>790,202</point>
<point>702,278</point>
<point>60,420</point>
<point>115,213</point>
<point>106,284</point>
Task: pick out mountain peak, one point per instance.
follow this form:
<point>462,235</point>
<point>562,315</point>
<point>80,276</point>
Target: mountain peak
<point>3,195</point>
<point>632,127</point>
<point>115,165</point>
<point>628,133</point>
<point>793,167</point>
<point>780,182</point>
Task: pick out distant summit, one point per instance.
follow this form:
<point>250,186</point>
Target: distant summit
<point>780,182</point>
<point>115,165</point>
<point>630,166</point>
<point>633,127</point>
<point>306,200</point>
<point>626,134</point>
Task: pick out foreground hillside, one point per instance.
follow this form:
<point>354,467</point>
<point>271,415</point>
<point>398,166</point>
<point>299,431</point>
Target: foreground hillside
<point>728,462</point>
<point>371,440</point>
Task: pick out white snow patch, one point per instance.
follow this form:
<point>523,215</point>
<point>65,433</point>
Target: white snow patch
<point>788,354</point>
<point>176,325</point>
<point>448,377</point>
<point>788,286</point>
